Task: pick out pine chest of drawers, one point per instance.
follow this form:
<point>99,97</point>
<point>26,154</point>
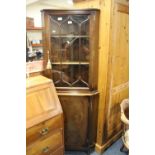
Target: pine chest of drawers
<point>44,118</point>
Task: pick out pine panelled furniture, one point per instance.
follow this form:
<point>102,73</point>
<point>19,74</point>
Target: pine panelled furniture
<point>113,66</point>
<point>44,118</point>
<point>71,38</point>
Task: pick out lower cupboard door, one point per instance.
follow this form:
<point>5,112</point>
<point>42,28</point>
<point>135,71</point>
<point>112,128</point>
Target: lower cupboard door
<point>75,121</point>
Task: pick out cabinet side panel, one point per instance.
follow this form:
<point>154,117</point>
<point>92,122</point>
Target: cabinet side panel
<point>93,114</point>
<point>94,29</point>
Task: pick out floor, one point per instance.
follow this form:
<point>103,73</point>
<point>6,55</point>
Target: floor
<point>114,149</point>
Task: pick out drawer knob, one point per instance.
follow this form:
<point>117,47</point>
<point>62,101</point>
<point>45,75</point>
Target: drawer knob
<point>44,131</point>
<point>45,150</point>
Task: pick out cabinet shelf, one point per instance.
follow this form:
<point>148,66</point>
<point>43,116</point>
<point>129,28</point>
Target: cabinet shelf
<point>70,36</point>
<point>34,28</point>
<point>37,45</point>
<point>70,63</point>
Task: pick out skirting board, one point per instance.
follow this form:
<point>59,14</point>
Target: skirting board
<point>100,148</point>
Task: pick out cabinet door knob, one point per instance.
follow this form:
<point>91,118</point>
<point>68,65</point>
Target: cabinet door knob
<point>44,131</point>
<point>45,150</point>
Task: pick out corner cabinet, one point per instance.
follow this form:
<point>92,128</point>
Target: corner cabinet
<point>71,39</point>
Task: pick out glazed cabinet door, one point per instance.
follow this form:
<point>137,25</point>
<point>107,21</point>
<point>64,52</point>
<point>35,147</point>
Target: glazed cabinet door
<point>70,50</point>
<point>71,40</point>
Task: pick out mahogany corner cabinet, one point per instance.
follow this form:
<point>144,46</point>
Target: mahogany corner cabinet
<point>71,39</point>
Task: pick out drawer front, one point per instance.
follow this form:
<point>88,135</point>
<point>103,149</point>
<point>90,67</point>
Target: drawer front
<point>46,146</point>
<point>58,152</point>
<point>43,129</point>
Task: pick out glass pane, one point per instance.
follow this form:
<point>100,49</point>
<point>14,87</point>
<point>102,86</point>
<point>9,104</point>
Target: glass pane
<point>84,51</point>
<point>70,75</point>
<point>69,27</point>
<point>56,73</point>
<point>59,18</point>
<point>55,28</point>
<point>61,75</point>
<point>85,72</point>
<point>80,76</point>
<point>85,28</point>
<point>56,21</point>
<point>55,43</point>
<point>80,18</point>
<point>55,50</point>
<point>70,49</point>
<point>83,21</point>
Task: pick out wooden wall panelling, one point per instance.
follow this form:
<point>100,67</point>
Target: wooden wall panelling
<point>114,123</point>
<point>118,71</point>
<point>120,56</point>
<point>122,8</point>
<point>122,2</point>
<point>120,63</point>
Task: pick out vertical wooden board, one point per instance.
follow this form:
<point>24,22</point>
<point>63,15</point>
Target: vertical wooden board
<point>121,53</point>
<point>104,36</point>
<point>93,39</point>
<point>112,120</point>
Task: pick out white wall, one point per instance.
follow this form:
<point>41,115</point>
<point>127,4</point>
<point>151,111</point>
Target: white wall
<point>33,10</point>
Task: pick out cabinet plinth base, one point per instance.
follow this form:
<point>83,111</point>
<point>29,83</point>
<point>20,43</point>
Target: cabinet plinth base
<point>101,148</point>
